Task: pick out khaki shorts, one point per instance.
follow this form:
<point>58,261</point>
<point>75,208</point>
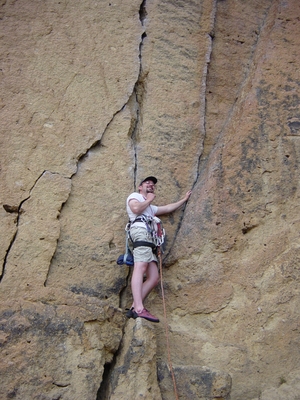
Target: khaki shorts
<point>142,253</point>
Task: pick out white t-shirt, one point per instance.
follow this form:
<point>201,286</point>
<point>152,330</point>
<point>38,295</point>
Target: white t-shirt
<point>150,210</point>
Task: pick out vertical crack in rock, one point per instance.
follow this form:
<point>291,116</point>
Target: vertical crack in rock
<point>104,389</point>
<point>203,93</point>
<point>203,88</point>
<point>136,102</point>
<point>133,134</point>
<point>137,95</point>
<point>18,210</point>
<point>98,143</point>
<point>80,159</point>
<point>143,12</point>
<point>231,111</point>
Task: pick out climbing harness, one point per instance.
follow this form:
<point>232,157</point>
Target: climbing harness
<point>166,323</point>
<point>154,226</point>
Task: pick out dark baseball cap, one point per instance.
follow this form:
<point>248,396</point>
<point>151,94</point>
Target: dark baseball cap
<point>149,178</point>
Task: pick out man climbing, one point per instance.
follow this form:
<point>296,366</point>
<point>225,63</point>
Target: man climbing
<point>140,210</point>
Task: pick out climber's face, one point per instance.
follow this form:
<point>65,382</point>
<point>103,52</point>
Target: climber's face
<point>147,187</point>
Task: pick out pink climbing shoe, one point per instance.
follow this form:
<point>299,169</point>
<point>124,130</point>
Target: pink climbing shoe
<point>144,314</point>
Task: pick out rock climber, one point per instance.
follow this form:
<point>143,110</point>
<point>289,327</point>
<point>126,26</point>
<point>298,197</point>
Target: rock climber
<point>140,208</point>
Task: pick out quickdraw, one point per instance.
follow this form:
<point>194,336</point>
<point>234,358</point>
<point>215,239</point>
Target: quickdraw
<point>158,233</point>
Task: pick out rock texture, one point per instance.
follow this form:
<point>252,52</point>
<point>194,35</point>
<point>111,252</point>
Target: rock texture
<point>135,373</point>
<point>96,95</point>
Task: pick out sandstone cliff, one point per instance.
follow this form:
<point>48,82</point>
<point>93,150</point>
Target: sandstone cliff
<point>95,95</point>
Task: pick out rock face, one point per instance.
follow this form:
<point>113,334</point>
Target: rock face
<point>95,95</point>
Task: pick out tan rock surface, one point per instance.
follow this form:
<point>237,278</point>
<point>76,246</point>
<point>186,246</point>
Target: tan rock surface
<point>194,382</point>
<point>135,372</point>
<point>288,388</point>
<point>96,95</point>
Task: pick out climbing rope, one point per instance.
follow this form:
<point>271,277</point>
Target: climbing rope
<point>166,323</point>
